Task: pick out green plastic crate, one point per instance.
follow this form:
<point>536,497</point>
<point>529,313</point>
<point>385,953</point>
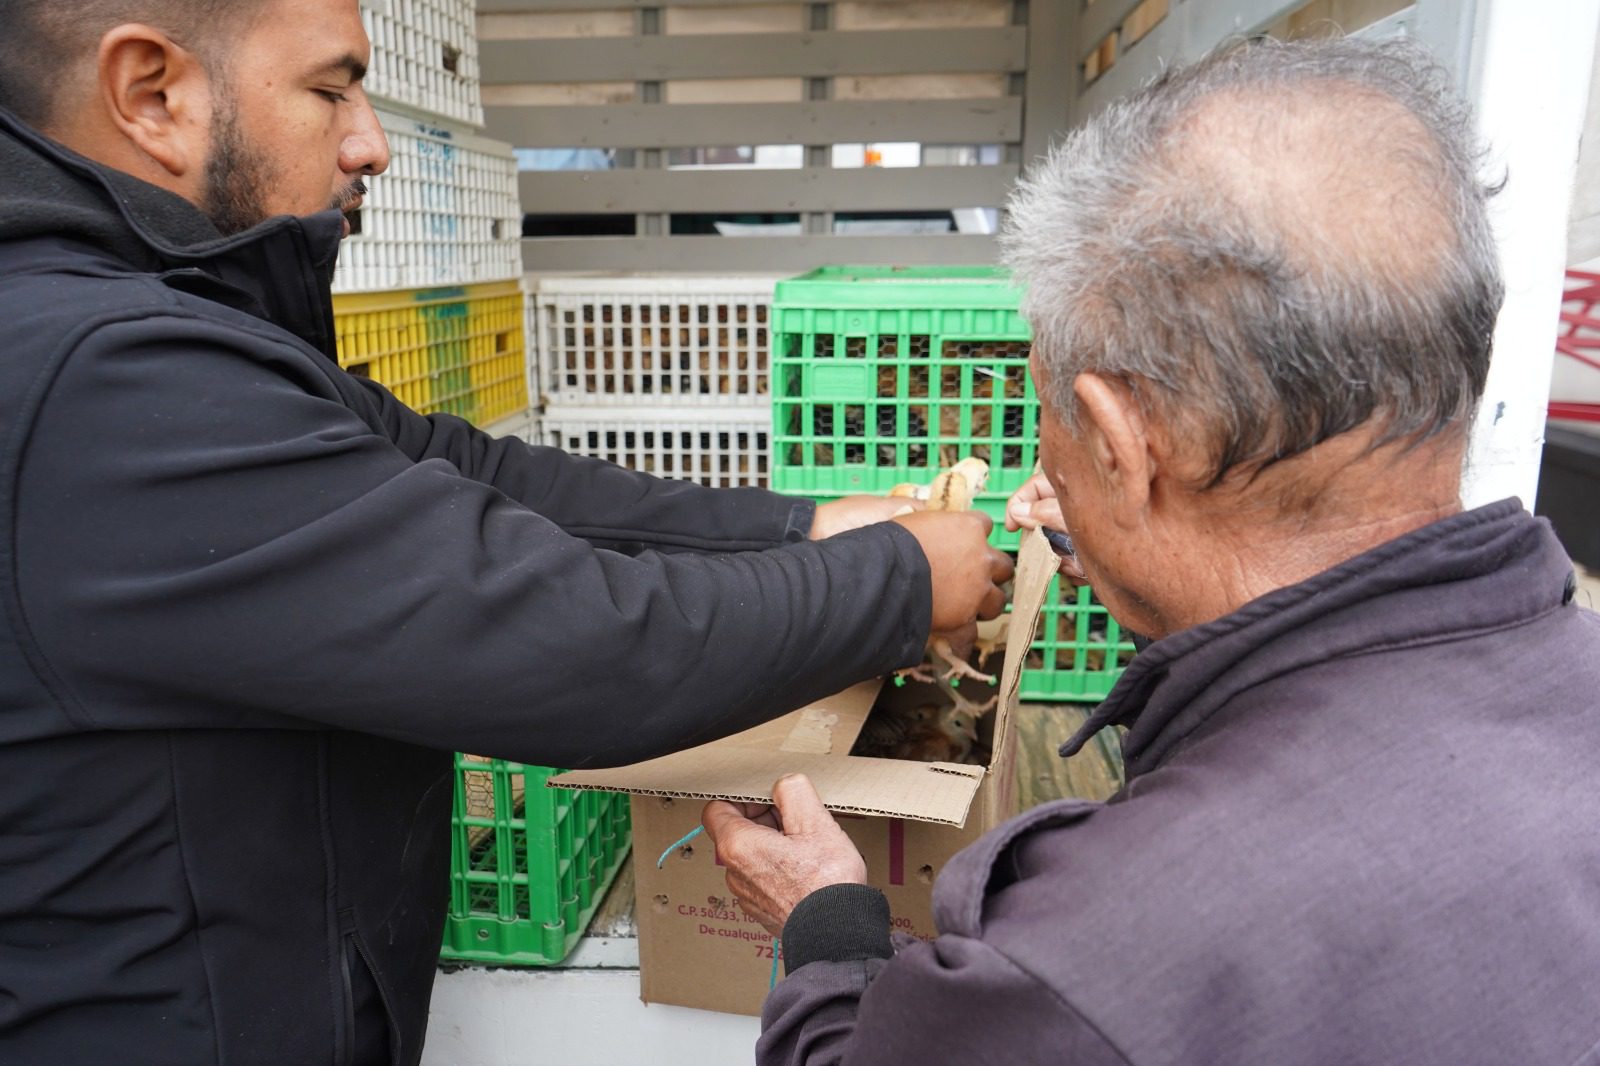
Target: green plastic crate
<point>883,375</point>
<point>886,374</point>
<point>1079,650</point>
<point>528,864</point>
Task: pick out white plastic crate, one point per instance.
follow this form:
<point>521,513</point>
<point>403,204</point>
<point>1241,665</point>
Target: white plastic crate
<point>656,342</point>
<point>425,56</point>
<point>444,213</point>
<point>721,447</point>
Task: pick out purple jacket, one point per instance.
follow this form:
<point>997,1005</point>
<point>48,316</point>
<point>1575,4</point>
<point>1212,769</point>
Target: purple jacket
<point>1362,825</point>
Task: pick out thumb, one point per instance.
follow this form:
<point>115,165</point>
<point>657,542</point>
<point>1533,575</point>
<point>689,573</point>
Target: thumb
<point>721,818</point>
<point>799,806</point>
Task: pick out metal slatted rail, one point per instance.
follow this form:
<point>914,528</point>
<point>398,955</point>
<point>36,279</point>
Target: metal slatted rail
<point>984,75</point>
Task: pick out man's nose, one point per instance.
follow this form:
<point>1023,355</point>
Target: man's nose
<point>365,149</point>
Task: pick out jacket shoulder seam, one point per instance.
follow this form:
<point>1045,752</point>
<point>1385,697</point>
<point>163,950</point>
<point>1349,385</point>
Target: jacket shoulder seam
<point>1062,1000</point>
<point>15,457</point>
<point>1060,814</point>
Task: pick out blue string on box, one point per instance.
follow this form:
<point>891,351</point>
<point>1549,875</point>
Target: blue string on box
<point>772,981</point>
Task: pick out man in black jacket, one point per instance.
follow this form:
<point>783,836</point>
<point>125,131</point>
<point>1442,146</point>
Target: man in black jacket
<point>252,603</point>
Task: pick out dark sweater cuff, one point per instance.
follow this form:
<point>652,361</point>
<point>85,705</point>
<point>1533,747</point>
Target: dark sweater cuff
<point>801,517</point>
<point>840,923</point>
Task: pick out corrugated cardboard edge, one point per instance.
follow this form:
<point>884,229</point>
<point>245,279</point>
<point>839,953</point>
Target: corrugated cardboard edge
<point>1036,565</point>
<point>745,797</point>
<point>926,792</point>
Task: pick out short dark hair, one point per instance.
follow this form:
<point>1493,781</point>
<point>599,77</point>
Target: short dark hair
<point>40,39</point>
<point>1266,315</point>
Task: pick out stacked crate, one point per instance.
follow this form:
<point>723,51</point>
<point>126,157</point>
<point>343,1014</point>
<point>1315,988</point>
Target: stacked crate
<point>665,375</point>
<point>444,213</point>
<point>845,380</point>
<point>428,300</point>
<point>458,349</point>
<point>420,294</point>
<point>883,375</point>
<point>425,57</point>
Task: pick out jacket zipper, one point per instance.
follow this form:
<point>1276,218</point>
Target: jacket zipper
<point>347,1012</point>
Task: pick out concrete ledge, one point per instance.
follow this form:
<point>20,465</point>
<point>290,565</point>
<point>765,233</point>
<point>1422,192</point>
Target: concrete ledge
<point>576,1018</point>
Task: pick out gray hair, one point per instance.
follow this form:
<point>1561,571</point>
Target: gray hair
<point>1350,276</point>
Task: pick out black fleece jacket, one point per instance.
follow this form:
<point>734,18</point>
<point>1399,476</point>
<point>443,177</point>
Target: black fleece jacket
<point>251,602</point>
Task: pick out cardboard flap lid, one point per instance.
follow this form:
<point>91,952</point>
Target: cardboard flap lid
<point>816,741</point>
<point>829,725</point>
<point>1037,563</point>
<point>924,792</point>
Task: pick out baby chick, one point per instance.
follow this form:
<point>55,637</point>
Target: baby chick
<point>947,734</point>
<point>889,730</point>
<point>991,638</point>
<point>926,732</point>
<point>953,490</point>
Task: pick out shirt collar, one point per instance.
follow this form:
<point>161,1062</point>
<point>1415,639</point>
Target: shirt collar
<point>1478,570</point>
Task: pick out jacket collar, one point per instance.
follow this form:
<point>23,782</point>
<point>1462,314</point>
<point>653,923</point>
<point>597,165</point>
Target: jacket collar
<point>279,270</point>
<point>1471,572</point>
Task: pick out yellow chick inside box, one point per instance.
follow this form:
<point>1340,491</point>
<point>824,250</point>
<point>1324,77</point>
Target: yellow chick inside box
<point>697,948</point>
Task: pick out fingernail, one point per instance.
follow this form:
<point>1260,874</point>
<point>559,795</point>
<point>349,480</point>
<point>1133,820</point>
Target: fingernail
<point>1023,509</point>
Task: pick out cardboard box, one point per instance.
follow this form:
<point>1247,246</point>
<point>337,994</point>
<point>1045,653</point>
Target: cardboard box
<point>697,948</point>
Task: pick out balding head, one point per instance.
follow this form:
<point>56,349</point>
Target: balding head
<point>1272,247</point>
<point>1345,179</point>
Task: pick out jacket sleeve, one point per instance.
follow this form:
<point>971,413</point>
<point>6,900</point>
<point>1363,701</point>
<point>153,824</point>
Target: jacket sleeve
<point>953,999</point>
<point>596,500</point>
<point>209,536</point>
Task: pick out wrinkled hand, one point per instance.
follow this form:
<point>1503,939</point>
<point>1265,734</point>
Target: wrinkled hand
<point>853,512</point>
<point>777,856</point>
<point>967,573</point>
<point>1034,505</point>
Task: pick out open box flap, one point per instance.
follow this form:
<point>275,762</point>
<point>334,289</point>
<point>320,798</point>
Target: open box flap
<point>827,727</point>
<point>1037,563</point>
<point>816,741</point>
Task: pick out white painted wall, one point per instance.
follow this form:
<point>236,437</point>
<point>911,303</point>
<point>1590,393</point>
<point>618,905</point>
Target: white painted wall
<point>1583,238</point>
<point>1532,68</point>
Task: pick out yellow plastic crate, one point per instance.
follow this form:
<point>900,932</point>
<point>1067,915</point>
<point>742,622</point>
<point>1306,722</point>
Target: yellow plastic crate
<point>459,350</point>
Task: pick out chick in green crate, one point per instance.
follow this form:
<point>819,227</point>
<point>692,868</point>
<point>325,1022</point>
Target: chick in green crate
<point>949,654</point>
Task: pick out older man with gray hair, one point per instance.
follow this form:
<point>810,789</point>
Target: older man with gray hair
<point>1360,818</point>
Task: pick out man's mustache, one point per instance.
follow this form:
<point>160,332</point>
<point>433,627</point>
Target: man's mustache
<point>349,196</point>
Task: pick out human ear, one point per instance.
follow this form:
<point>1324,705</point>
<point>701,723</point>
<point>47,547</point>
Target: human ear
<point>158,95</point>
<point>1113,429</point>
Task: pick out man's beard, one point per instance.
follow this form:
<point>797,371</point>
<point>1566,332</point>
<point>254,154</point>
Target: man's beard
<point>238,177</point>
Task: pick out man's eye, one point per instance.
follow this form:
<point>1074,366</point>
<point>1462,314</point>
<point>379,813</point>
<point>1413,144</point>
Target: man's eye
<point>331,96</point>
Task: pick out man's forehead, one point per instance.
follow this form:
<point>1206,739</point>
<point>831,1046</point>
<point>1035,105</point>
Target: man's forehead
<point>324,36</point>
